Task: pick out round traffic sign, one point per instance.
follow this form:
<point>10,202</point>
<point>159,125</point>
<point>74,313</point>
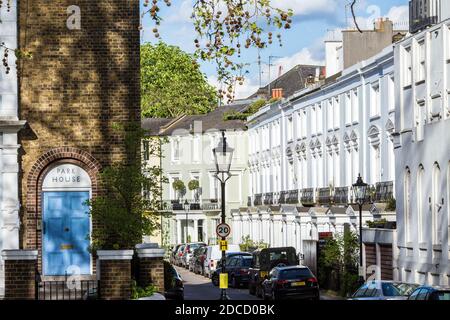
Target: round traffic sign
<point>223,230</point>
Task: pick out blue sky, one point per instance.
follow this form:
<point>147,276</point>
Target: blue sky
<point>303,43</point>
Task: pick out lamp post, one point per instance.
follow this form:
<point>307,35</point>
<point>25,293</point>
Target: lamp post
<point>223,155</point>
<point>359,191</point>
<point>186,210</point>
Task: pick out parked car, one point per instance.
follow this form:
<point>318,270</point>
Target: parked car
<point>214,255</point>
<point>236,267</point>
<point>430,293</point>
<point>188,251</point>
<point>265,260</point>
<point>173,253</point>
<point>199,260</point>
<point>294,282</point>
<point>194,256</point>
<point>383,290</point>
<point>179,255</point>
<point>173,283</point>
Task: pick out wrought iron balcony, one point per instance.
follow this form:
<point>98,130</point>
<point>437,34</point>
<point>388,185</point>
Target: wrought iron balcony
<point>268,199</point>
<point>307,198</point>
<point>292,197</point>
<point>421,15</point>
<point>384,191</point>
<point>283,197</point>
<point>258,199</point>
<point>341,195</point>
<point>249,201</point>
<point>324,196</point>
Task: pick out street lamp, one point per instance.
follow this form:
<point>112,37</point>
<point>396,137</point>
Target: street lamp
<point>223,155</point>
<point>360,189</point>
<point>186,210</point>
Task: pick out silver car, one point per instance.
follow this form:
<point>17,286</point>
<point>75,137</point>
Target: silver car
<point>383,290</point>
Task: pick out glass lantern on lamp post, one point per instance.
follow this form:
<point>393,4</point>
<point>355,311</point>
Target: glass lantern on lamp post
<point>223,155</point>
<point>360,189</point>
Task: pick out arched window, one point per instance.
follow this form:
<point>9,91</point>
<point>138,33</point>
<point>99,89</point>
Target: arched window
<point>407,206</point>
<point>420,202</point>
<point>436,205</point>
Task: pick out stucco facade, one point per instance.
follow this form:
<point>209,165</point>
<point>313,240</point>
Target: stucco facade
<point>9,127</point>
<point>423,155</point>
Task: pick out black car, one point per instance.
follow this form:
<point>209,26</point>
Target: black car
<point>173,284</point>
<point>430,293</point>
<point>265,260</point>
<point>295,282</point>
<point>233,270</point>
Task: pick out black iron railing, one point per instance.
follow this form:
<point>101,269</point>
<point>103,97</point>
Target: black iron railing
<point>384,191</point>
<point>324,196</point>
<point>292,197</point>
<point>249,201</point>
<point>283,197</point>
<point>341,195</point>
<point>268,198</point>
<point>258,199</point>
<point>307,197</point>
<point>67,290</point>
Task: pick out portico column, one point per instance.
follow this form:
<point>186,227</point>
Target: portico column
<point>179,240</point>
<point>195,235</point>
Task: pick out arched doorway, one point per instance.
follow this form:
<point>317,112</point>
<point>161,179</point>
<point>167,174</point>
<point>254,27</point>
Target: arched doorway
<point>66,224</point>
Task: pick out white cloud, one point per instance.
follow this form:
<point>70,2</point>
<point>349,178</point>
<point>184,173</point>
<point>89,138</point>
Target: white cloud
<point>181,14</point>
<point>305,7</point>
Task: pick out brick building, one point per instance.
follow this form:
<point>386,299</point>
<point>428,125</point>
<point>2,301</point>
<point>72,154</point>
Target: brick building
<point>82,79</point>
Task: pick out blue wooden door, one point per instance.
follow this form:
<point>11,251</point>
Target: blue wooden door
<point>66,229</point>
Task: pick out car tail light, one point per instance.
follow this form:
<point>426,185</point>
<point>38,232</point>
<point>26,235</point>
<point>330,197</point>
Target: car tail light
<point>180,254</point>
<point>281,283</point>
<point>313,281</point>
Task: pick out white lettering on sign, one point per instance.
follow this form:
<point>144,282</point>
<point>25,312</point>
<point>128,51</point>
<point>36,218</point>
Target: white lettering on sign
<point>74,20</point>
<point>67,176</point>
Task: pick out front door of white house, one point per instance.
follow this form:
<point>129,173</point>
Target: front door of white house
<point>66,221</point>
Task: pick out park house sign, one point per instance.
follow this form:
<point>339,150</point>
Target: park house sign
<point>66,176</point>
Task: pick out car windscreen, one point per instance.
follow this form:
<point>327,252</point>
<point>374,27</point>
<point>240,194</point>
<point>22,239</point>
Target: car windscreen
<point>247,262</point>
<point>195,246</point>
<point>292,274</point>
<point>272,257</point>
<point>390,290</point>
<point>406,289</point>
<point>442,295</point>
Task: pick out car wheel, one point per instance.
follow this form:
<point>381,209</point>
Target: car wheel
<point>251,289</point>
<point>259,293</point>
<point>215,281</point>
<point>274,297</point>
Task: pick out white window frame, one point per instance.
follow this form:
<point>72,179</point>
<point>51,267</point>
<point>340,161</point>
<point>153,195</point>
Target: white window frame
<point>421,61</point>
<point>407,76</point>
<point>348,108</point>
<point>375,99</point>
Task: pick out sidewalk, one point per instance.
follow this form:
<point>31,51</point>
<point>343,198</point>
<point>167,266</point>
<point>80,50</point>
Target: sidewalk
<point>329,295</point>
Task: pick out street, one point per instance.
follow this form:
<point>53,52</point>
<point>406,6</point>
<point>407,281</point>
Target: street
<point>197,287</point>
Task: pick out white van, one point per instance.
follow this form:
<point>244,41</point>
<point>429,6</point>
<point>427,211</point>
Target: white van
<point>214,255</point>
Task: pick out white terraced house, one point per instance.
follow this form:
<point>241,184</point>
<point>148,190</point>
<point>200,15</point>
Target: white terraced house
<point>423,147</point>
<point>9,126</point>
<point>307,150</point>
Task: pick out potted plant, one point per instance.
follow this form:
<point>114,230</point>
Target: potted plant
<point>179,187</point>
<point>194,185</point>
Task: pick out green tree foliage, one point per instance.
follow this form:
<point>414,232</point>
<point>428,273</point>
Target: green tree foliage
<point>172,83</point>
<point>338,263</point>
<point>123,215</point>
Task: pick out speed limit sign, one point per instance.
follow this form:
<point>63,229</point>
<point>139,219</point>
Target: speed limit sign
<point>223,230</point>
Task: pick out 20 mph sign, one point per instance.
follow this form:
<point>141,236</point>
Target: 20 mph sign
<point>223,230</point>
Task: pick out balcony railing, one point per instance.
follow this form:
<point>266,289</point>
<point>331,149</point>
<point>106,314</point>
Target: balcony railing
<point>384,191</point>
<point>341,195</point>
<point>258,199</point>
<point>178,205</point>
<point>324,196</point>
<point>283,197</point>
<point>249,201</point>
<point>292,197</point>
<point>307,198</point>
<point>268,199</point>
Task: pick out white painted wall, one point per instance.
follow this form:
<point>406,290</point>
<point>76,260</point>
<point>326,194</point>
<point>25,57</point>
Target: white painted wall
<point>9,125</point>
<point>423,117</point>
